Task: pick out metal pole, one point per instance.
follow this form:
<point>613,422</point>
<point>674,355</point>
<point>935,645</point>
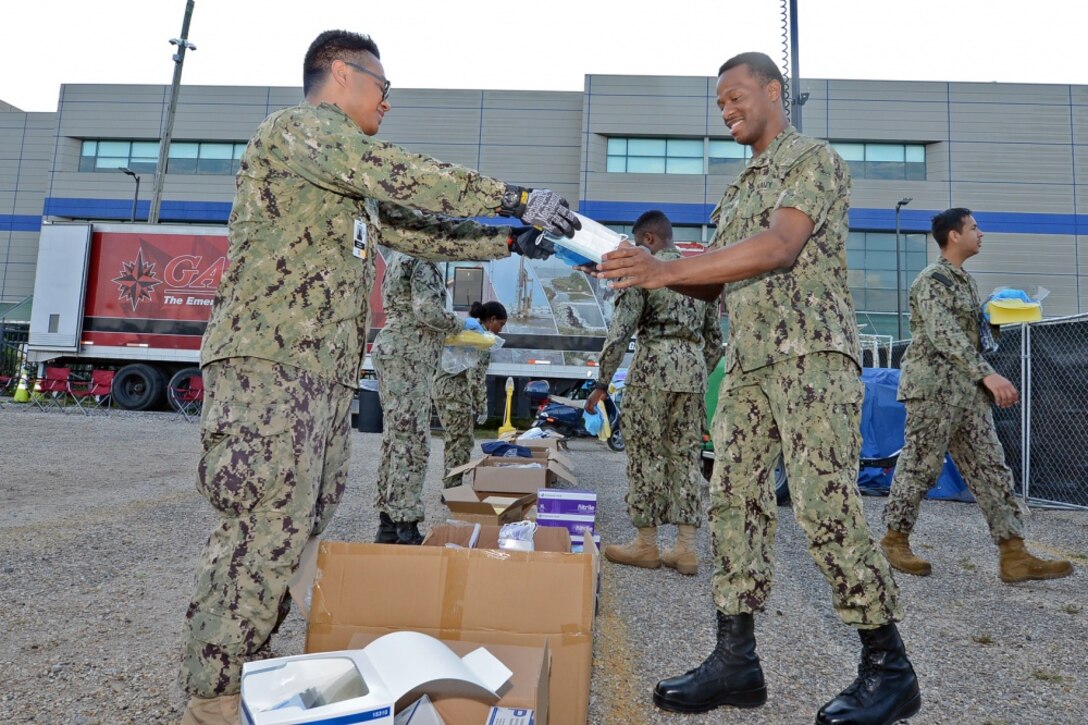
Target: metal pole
<point>135,199</point>
<point>797,101</point>
<point>898,282</point>
<point>183,44</point>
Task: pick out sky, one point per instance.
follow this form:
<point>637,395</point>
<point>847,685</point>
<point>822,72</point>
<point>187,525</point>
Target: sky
<point>542,45</point>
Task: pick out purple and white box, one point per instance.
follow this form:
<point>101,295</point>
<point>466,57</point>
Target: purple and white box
<point>573,509</point>
<point>577,502</point>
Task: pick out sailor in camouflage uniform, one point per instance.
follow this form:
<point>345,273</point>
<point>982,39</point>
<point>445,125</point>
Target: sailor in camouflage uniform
<point>461,397</point>
<point>283,348</point>
<point>791,387</point>
<point>679,340</point>
<point>947,387</point>
<point>405,356</point>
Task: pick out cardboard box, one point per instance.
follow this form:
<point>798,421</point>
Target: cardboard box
<point>555,540</point>
<point>567,501</point>
<point>541,444</point>
<point>479,507</point>
<point>484,596</point>
<point>495,474</point>
<point>573,509</point>
<point>526,690</point>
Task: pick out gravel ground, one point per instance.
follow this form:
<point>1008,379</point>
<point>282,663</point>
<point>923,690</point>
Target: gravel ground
<point>101,531</point>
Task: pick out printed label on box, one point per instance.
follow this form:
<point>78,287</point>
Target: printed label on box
<point>510,716</point>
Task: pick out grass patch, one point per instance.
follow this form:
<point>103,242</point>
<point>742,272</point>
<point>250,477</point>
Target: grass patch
<point>1072,608</point>
<point>968,564</point>
<point>927,547</point>
<point>982,639</point>
<point>1048,676</point>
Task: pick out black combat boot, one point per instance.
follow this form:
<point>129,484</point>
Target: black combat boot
<point>408,533</point>
<point>387,530</point>
<point>731,675</point>
<point>886,690</point>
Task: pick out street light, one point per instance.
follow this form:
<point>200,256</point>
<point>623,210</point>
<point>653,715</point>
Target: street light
<point>898,281</point>
<point>136,196</point>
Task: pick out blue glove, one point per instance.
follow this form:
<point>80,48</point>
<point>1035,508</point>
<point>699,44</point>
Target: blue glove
<point>471,323</point>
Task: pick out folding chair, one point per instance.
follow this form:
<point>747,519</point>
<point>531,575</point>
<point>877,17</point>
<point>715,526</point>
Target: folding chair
<point>187,398</point>
<point>93,394</point>
<point>52,389</point>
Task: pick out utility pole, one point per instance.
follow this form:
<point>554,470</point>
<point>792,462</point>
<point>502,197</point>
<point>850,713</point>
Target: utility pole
<point>183,45</point>
<point>798,99</point>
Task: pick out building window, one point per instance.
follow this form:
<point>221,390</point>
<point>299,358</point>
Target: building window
<point>725,156</point>
<point>870,259</point>
<point>655,156</point>
<point>884,160</point>
<point>186,157</point>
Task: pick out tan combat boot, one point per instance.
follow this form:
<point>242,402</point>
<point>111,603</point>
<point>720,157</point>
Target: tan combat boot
<point>640,552</point>
<point>1017,565</point>
<point>682,556</point>
<point>212,711</point>
<point>896,547</point>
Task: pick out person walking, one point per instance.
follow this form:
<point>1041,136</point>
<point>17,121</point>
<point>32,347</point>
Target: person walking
<point>948,387</point>
<point>284,344</point>
<point>461,397</point>
<point>791,387</point>
<point>678,342</point>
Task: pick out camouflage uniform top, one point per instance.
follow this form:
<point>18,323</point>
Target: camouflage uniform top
<point>679,338</point>
<point>807,308</point>
<point>416,320</point>
<point>468,386</point>
<point>943,361</point>
<point>311,182</point>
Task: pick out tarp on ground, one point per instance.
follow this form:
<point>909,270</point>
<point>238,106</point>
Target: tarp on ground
<point>882,425</point>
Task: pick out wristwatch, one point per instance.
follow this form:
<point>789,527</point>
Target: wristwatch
<point>513,200</point>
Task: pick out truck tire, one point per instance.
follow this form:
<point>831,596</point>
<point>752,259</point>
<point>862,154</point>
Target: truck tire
<point>138,387</point>
<point>178,385</point>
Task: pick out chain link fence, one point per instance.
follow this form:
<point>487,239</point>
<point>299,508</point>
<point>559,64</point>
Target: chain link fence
<point>1054,411</point>
<point>1046,436</point>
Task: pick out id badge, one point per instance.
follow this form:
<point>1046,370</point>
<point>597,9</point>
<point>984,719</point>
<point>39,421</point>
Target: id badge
<point>358,239</point>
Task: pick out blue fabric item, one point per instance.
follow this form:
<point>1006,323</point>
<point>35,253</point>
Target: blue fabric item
<point>471,323</point>
<point>593,421</point>
<point>572,258</point>
<point>1005,293</point>
<point>883,419</point>
<point>505,450</point>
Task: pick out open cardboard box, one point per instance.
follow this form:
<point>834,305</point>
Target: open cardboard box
<point>527,688</point>
<point>499,474</point>
<point>484,596</point>
<point>467,504</point>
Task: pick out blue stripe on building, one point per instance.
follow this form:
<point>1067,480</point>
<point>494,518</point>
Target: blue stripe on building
<point>616,212</point>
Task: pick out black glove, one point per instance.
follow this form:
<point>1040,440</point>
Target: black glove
<point>541,208</point>
<point>530,242</point>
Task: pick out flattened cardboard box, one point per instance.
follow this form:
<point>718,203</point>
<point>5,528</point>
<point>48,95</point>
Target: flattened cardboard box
<point>527,689</point>
<point>484,596</point>
<point>496,474</point>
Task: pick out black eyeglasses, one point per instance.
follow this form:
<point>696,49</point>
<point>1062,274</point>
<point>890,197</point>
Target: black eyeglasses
<point>383,81</point>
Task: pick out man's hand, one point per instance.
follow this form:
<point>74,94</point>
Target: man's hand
<point>541,208</point>
<point>633,267</point>
<point>1004,393</point>
<point>481,419</point>
<point>530,242</point>
<point>593,399</point>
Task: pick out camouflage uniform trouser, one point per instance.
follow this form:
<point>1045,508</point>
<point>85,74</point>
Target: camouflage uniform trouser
<point>404,386</point>
<point>808,409</point>
<point>274,465</point>
<point>970,436</point>
<point>458,424</point>
<point>663,431</point>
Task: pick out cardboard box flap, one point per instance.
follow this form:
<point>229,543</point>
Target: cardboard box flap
<point>544,538</point>
<point>466,499</point>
